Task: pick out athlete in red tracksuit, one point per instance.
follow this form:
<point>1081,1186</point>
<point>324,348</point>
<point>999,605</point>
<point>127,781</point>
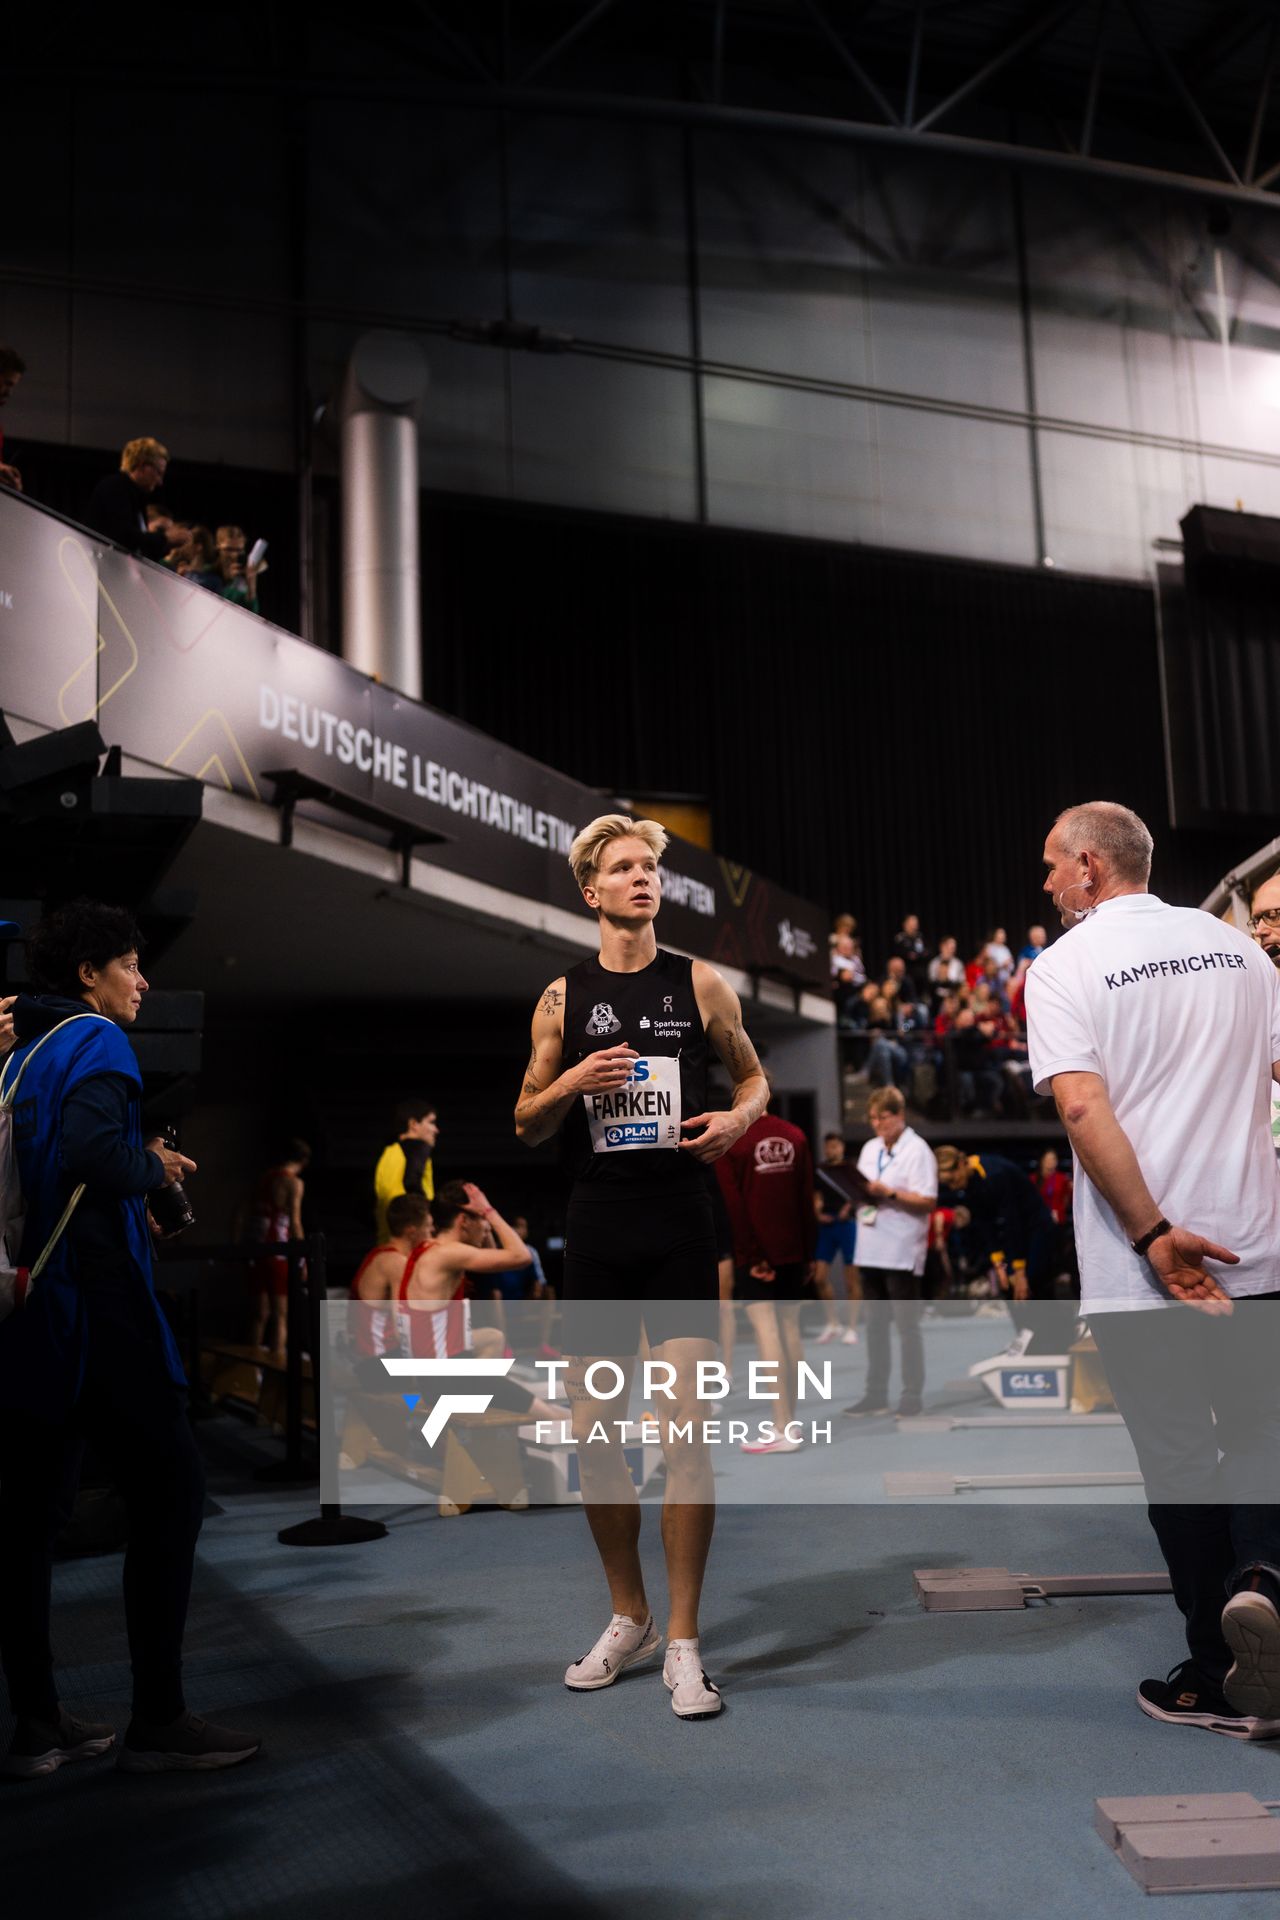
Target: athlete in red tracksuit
<point>767,1181</point>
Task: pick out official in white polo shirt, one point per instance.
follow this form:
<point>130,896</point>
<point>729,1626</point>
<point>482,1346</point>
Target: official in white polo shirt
<point>893,1237</point>
<point>1157,1029</point>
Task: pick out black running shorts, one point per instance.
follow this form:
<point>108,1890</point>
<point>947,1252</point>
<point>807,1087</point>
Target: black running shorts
<point>638,1258</point>
<point>787,1284</point>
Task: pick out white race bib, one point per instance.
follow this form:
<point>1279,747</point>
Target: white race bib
<point>643,1113</point>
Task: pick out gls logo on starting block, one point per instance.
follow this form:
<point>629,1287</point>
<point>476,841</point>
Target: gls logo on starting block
<point>1029,1386</point>
<point>434,1424</point>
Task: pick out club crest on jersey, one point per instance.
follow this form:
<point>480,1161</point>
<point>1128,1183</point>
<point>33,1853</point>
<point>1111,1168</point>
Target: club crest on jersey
<point>603,1020</point>
<point>774,1154</point>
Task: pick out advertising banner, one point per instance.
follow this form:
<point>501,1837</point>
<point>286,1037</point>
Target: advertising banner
<point>186,680</point>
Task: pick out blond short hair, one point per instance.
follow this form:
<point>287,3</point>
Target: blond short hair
<point>587,851</point>
<point>142,453</point>
<point>886,1100</point>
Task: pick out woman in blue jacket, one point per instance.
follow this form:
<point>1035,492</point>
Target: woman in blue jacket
<point>90,1356</point>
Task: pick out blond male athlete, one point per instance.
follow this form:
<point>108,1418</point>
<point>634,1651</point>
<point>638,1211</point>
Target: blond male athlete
<point>621,1045</point>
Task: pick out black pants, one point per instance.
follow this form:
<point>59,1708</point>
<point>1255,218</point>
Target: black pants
<point>902,1290</point>
<point>136,1418</point>
<point>1213,1487</point>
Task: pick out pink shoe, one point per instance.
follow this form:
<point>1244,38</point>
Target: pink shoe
<point>828,1334</point>
<point>549,1353</point>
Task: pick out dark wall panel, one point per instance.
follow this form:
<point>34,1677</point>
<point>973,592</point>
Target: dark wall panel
<point>875,730</point>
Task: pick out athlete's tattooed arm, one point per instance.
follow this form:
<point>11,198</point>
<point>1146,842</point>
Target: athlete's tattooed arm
<point>550,1088</point>
<point>722,1016</point>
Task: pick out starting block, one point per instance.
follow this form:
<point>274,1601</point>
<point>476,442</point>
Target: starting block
<point>1015,1380</point>
<point>1193,1842</point>
<point>934,1485</point>
<point>995,1589</point>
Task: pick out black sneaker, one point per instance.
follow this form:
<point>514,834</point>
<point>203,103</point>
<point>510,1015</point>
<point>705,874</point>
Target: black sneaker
<point>910,1407</point>
<point>1251,1628</point>
<point>42,1746</point>
<point>1186,1699</point>
<point>186,1745</point>
<point>868,1405</point>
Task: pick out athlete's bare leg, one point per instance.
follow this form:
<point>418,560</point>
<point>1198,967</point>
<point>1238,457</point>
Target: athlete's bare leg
<point>853,1287</point>
<point>261,1315</point>
<point>609,1493</point>
<point>788,1312</point>
<point>688,1507</point>
<point>827,1294</point>
<point>764,1317</point>
<point>282,1325</point>
<point>728,1318</point>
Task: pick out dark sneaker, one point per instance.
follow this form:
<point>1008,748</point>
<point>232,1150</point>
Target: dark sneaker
<point>910,1407</point>
<point>42,1746</point>
<point>1251,1628</point>
<point>868,1405</point>
<point>1186,1699</point>
<point>186,1745</point>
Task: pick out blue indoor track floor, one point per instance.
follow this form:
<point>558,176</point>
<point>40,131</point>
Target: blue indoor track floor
<point>423,1758</point>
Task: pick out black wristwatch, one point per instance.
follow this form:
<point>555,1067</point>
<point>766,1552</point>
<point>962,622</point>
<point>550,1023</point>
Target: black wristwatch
<point>1141,1247</point>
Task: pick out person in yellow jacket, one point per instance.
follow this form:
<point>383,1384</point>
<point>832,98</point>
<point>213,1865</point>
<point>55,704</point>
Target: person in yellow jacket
<point>405,1166</point>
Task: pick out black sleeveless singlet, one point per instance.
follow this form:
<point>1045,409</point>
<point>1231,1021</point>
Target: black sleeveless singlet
<point>630,1138</point>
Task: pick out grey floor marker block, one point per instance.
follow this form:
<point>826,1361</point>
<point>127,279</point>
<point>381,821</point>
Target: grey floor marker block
<point>991,1589</point>
<point>933,1483</point>
<point>1193,1843</point>
<point>978,1422</point>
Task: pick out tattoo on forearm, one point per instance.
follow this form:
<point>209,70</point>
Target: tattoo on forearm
<point>529,1089</point>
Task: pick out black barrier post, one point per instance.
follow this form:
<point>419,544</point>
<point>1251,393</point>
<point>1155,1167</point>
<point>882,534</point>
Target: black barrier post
<point>334,1528</point>
<point>294,1470</point>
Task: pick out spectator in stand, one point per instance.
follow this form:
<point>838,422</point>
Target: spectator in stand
<point>888,1062</point>
<point>239,580</point>
<point>946,970</point>
<point>860,1009</point>
<point>12,368</point>
<point>848,976</point>
<point>117,505</point>
<point>767,1182</point>
<point>842,924</point>
<point>836,1237</point>
<point>994,981</point>
<point>1037,939</point>
<point>405,1166</point>
<point>976,1071</point>
<point>197,559</point>
<point>893,1235</point>
<point>997,949</point>
<point>895,975</point>
<point>910,948</point>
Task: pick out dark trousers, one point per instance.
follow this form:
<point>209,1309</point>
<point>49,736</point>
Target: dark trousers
<point>1201,1399</point>
<point>136,1418</point>
<point>902,1291</point>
